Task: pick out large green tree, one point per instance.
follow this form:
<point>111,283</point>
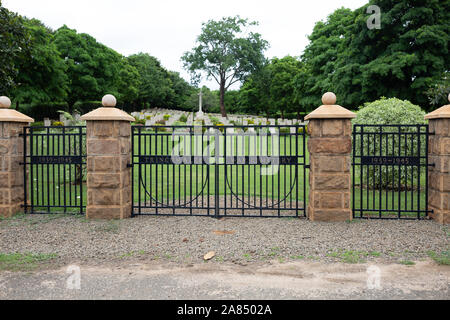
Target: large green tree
<point>41,77</point>
<point>272,89</point>
<point>93,68</point>
<point>226,52</point>
<point>155,87</point>
<point>14,42</point>
<point>320,55</point>
<point>282,87</point>
<point>403,58</point>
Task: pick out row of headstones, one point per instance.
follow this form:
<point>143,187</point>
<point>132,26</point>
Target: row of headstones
<point>157,114</point>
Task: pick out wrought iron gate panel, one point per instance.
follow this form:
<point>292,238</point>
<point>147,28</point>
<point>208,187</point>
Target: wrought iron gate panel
<point>55,160</point>
<point>219,170</point>
<point>390,171</point>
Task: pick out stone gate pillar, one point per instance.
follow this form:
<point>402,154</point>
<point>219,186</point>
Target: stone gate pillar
<point>439,155</point>
<point>329,146</point>
<point>108,144</point>
<point>11,155</point>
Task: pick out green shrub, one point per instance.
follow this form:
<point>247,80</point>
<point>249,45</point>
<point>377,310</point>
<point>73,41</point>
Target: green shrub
<point>148,117</point>
<point>166,116</point>
<point>390,111</point>
<point>183,118</point>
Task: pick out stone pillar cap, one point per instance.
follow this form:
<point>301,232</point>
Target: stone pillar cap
<point>441,113</point>
<point>108,111</point>
<point>330,110</point>
<point>11,115</point>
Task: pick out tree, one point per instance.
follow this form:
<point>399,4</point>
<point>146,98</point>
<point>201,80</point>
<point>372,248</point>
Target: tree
<point>41,77</point>
<point>226,53</point>
<point>282,89</point>
<point>255,93</point>
<point>181,91</point>
<point>272,88</point>
<point>14,46</point>
<point>93,69</point>
<point>320,55</point>
<point>155,86</point>
<point>401,59</point>
<point>438,93</point>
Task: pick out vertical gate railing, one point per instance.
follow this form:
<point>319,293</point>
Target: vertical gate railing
<point>55,160</point>
<point>251,171</point>
<point>390,166</point>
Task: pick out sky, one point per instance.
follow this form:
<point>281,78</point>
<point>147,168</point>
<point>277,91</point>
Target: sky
<point>168,28</point>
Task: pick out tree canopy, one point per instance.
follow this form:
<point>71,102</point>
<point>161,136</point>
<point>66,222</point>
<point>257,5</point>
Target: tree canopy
<point>14,47</point>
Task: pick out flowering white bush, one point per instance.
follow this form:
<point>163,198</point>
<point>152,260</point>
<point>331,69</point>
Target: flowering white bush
<point>401,142</point>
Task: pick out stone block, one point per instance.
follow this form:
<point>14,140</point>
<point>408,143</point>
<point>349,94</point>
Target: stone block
<point>331,200</point>
<point>333,127</point>
<point>102,147</point>
<point>331,182</point>
<point>103,128</point>
<point>341,145</point>
<point>103,180</point>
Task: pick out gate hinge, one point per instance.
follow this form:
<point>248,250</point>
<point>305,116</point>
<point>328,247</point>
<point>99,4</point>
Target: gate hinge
<point>129,165</point>
<point>432,165</point>
<point>431,133</point>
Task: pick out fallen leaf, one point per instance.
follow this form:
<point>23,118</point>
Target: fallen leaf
<point>209,255</point>
<point>185,240</point>
<point>222,232</point>
<point>201,240</point>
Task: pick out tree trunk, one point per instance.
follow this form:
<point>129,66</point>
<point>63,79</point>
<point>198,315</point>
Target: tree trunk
<point>222,98</point>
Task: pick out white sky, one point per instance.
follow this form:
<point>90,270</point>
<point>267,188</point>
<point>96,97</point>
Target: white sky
<point>168,28</point>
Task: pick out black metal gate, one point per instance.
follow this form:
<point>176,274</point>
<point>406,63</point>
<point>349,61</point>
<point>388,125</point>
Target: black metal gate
<point>250,171</point>
<point>54,158</point>
<point>390,171</point>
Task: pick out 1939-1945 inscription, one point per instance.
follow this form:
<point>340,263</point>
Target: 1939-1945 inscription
<point>390,160</point>
<point>56,159</point>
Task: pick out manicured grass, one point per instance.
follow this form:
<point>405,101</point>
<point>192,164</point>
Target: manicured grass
<point>173,182</point>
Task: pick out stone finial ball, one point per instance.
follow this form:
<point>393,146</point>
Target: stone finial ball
<point>109,100</point>
<point>329,98</point>
<point>5,102</point>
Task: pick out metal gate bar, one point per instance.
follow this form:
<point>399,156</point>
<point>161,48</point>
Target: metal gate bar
<point>219,170</point>
<point>55,158</point>
<point>390,171</point>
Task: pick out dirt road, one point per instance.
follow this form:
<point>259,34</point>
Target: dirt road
<point>273,280</point>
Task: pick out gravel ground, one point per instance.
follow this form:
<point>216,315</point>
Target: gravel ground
<point>186,240</point>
